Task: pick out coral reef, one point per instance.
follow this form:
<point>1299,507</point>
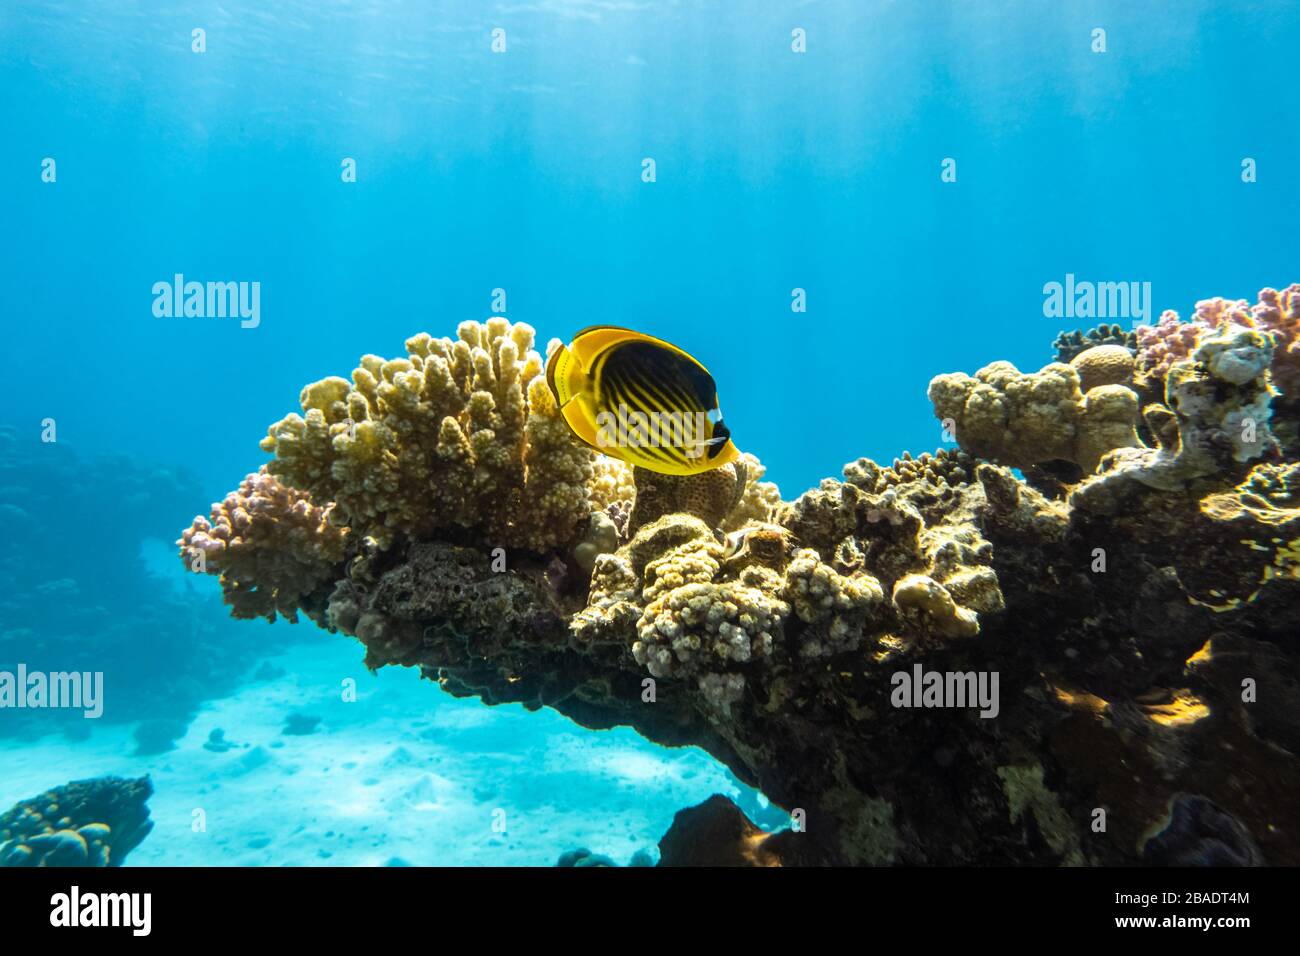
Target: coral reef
<point>935,661</point>
<point>1216,414</point>
<point>84,823</point>
<point>1103,365</point>
<point>87,585</point>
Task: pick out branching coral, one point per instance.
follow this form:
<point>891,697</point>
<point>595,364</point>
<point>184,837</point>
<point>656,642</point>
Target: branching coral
<point>458,433</point>
<point>1170,340</point>
<point>943,467</point>
<point>1021,419</point>
<point>1279,313</point>
<point>271,545</point>
<point>1276,312</point>
<point>1070,344</point>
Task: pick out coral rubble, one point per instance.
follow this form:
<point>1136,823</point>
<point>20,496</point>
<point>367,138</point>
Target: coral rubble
<point>1129,603</point>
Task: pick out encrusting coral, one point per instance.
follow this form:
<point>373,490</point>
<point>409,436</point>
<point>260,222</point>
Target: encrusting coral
<point>1088,640</point>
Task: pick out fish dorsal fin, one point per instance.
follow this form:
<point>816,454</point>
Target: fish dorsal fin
<point>590,343</point>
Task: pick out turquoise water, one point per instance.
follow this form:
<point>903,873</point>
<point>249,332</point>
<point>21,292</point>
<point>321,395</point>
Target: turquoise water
<point>524,171</point>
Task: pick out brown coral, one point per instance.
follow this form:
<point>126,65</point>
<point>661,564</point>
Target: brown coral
<point>1104,365</point>
<point>1021,419</point>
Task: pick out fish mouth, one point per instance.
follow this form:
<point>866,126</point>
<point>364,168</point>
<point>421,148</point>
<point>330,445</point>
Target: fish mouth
<point>721,435</point>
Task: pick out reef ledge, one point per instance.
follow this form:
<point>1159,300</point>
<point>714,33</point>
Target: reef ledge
<point>1135,589</point>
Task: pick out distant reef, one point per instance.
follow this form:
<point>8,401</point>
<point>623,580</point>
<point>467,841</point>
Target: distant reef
<point>76,594</point>
<point>84,823</point>
<point>1067,637</point>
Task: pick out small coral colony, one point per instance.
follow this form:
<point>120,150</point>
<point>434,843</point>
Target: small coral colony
<point>464,508</point>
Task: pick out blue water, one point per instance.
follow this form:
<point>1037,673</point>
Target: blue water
<point>522,171</point>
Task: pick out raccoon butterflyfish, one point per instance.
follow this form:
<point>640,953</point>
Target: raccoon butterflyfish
<point>641,399</point>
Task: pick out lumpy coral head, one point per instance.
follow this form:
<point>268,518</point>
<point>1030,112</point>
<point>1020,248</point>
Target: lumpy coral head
<point>1021,419</point>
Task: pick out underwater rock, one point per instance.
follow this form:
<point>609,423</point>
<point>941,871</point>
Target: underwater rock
<point>158,736</point>
<point>1134,614</point>
<point>1201,834</point>
<point>582,857</point>
<point>300,725</point>
<point>217,741</point>
<point>717,833</point>
<point>84,823</point>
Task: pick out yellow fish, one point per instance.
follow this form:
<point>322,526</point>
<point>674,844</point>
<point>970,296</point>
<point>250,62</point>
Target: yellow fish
<point>641,399</point>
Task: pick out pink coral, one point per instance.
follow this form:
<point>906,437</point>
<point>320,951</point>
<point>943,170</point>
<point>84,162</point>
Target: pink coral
<point>1170,340</point>
<point>1279,313</point>
<point>272,546</point>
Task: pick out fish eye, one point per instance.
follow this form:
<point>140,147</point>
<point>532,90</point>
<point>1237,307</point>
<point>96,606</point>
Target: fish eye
<point>715,415</point>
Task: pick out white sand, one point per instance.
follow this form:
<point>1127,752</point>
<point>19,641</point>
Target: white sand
<point>403,773</point>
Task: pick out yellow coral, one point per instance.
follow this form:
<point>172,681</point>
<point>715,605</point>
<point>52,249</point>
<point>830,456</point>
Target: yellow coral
<point>611,483</point>
<point>460,432</point>
<point>759,500</point>
<point>933,601</point>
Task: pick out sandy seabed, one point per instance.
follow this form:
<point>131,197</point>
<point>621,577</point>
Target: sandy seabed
<point>404,774</point>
